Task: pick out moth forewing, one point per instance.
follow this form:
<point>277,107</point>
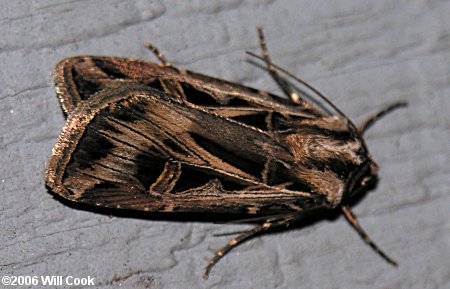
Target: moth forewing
<point>122,141</point>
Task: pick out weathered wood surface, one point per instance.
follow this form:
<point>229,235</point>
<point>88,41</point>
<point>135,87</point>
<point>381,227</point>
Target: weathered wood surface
<point>362,54</point>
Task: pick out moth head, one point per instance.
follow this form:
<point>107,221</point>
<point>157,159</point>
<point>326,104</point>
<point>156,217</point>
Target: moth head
<point>362,179</point>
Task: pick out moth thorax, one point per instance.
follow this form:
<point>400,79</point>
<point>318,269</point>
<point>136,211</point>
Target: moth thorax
<point>324,152</point>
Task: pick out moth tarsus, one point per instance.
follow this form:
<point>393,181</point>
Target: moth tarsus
<point>152,137</point>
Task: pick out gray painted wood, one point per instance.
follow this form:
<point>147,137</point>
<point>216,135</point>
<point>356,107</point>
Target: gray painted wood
<point>363,54</point>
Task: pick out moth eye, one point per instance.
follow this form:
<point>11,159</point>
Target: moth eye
<point>366,180</point>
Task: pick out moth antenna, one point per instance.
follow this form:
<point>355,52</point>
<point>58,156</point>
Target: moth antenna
<point>158,55</point>
<point>272,224</point>
<point>372,119</point>
<point>266,218</point>
<point>309,86</point>
<point>228,234</point>
<point>351,218</point>
<point>284,85</point>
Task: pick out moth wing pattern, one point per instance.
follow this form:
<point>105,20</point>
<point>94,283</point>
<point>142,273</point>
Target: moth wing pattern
<point>135,147</point>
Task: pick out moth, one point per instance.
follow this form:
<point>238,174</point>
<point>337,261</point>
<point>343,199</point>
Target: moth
<point>157,138</point>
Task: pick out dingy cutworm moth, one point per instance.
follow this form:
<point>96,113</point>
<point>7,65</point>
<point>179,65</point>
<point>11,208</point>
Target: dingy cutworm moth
<point>150,137</point>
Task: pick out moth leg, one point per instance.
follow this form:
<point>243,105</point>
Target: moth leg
<point>271,224</point>
<point>173,88</point>
<point>351,218</point>
<point>159,55</point>
<point>282,82</point>
<point>167,179</point>
<point>372,119</point>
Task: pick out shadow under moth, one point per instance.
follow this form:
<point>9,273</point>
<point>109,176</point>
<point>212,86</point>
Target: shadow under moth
<point>156,138</point>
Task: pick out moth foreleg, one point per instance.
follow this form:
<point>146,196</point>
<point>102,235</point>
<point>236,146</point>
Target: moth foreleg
<point>282,82</point>
<point>272,224</point>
